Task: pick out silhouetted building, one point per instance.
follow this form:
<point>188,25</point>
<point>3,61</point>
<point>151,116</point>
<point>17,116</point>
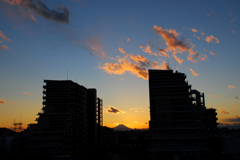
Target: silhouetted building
<point>110,137</point>
<point>177,115</point>
<point>69,122</point>
<point>211,121</point>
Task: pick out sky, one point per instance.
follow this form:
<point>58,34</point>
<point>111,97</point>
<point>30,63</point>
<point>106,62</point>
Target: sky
<point>110,45</point>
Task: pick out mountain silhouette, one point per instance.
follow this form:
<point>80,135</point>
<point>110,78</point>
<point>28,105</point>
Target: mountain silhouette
<point>121,127</point>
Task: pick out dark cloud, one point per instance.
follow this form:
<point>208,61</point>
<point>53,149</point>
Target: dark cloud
<point>114,110</point>
<point>237,98</point>
<point>61,14</point>
<point>2,102</point>
<point>229,125</point>
<point>236,119</point>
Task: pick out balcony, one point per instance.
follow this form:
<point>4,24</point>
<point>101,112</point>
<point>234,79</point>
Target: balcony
<point>39,113</point>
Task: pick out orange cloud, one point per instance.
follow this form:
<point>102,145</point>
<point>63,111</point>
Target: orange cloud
<point>204,50</point>
<point>28,93</point>
<point>176,46</point>
<point>95,48</point>
<point>207,14</point>
<point>148,50</point>
<point>135,65</point>
<point>231,86</point>
<point>5,38</point>
<point>2,102</point>
<point>233,31</point>
<point>212,39</point>
<point>194,35</point>
<point>14,103</point>
<point>223,112</point>
<point>236,116</point>
<point>194,30</point>
<point>212,96</point>
<point>230,14</point>
<point>3,47</point>
<point>194,74</point>
<point>121,50</point>
<point>114,110</point>
<point>202,33</point>
<point>233,20</point>
<point>13,2</point>
<point>203,57</point>
<point>212,53</point>
<point>128,39</point>
<point>234,105</point>
<point>162,51</point>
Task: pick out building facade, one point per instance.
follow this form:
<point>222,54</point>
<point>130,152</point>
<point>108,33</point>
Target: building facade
<point>68,122</point>
<point>177,114</point>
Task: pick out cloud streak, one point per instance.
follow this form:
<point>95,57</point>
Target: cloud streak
<point>27,93</point>
<point>194,30</point>
<point>194,74</point>
<point>137,109</point>
<point>2,102</point>
<point>114,110</point>
<point>60,14</point>
<point>231,86</point>
<point>212,53</point>
<point>233,20</point>
<point>213,96</point>
<point>5,38</point>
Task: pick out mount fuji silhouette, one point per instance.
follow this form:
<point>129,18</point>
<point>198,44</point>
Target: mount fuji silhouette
<point>121,127</point>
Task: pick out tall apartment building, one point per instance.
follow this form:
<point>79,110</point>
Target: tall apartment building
<point>177,114</point>
<point>69,122</point>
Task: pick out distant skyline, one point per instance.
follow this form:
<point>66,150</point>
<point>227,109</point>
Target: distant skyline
<point>110,45</point>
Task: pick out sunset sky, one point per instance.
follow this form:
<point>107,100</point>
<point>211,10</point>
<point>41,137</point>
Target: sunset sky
<point>110,45</point>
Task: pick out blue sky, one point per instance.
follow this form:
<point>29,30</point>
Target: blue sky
<point>88,38</point>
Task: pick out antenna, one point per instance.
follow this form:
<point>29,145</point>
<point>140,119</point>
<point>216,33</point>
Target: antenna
<point>76,79</point>
<point>17,126</point>
<point>168,65</point>
<point>67,73</point>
